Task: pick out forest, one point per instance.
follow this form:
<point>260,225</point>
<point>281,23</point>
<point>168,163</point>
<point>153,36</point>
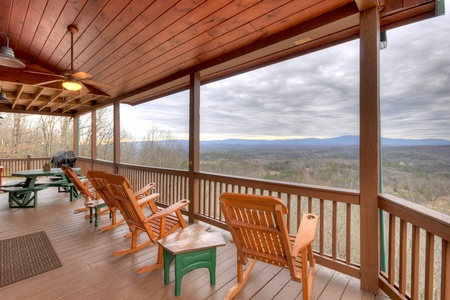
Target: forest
<point>420,174</point>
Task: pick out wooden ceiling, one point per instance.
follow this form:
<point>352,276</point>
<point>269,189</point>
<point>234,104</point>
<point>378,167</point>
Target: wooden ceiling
<point>141,50</point>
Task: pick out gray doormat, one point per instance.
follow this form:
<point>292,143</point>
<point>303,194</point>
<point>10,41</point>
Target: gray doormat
<point>26,256</point>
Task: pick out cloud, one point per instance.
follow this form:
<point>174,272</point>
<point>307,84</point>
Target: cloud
<point>317,95</point>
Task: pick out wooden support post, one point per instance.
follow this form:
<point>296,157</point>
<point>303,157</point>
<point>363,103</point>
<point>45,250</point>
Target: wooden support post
<point>194,144</point>
<point>76,137</point>
<point>116,135</point>
<point>93,136</point>
<point>28,161</point>
<point>369,147</point>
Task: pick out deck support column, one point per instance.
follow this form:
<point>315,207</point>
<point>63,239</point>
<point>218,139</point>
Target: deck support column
<point>93,136</point>
<point>194,144</point>
<point>369,147</point>
<point>116,135</point>
<point>76,135</point>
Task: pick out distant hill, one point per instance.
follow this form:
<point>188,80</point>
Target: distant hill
<point>345,140</point>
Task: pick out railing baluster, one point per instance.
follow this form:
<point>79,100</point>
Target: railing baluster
<point>445,272</point>
<point>402,275</point>
<point>348,231</point>
<point>391,260</point>
<point>322,225</point>
<point>415,262</point>
<point>334,231</point>
<point>429,266</point>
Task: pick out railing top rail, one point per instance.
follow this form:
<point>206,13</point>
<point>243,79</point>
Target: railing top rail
<point>432,221</point>
<point>24,159</point>
<point>329,193</point>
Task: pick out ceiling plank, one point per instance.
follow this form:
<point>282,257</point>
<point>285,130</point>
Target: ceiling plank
<point>57,38</point>
<point>49,17</point>
<point>31,24</point>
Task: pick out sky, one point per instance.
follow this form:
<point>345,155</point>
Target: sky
<point>317,95</point>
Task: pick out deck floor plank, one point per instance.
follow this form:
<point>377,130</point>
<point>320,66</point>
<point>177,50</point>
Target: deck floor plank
<point>90,271</point>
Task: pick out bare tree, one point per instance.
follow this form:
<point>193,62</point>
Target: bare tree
<point>161,149</point>
<point>85,135</point>
<point>105,134</point>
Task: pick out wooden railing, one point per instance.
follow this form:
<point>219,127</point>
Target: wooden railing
<point>171,184</point>
<point>337,242</point>
<point>11,165</point>
<point>418,251</point>
<point>418,238</point>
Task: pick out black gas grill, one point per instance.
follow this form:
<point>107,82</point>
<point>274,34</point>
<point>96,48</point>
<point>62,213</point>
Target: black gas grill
<point>64,158</point>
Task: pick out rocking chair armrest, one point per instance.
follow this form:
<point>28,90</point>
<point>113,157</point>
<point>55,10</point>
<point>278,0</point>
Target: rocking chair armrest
<point>143,201</point>
<point>169,210</point>
<point>145,190</point>
<point>306,233</point>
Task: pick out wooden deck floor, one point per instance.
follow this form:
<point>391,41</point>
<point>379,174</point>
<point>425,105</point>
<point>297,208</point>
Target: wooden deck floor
<point>89,270</point>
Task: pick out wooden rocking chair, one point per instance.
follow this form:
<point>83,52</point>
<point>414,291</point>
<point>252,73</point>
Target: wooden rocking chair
<point>258,227</point>
<point>91,199</point>
<point>97,179</point>
<point>159,225</point>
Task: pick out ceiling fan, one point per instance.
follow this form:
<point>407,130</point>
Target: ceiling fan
<point>71,79</point>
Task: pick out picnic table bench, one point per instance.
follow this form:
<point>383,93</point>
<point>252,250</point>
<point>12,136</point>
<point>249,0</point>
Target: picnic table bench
<point>24,194</point>
<point>64,186</point>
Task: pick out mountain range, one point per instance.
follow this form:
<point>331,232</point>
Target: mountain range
<point>345,140</point>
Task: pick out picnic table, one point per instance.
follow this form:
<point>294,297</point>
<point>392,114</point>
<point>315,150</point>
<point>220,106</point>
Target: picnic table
<point>24,194</point>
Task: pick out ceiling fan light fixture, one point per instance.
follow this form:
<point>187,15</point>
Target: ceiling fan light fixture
<point>72,85</point>
<point>7,57</point>
<point>3,98</point>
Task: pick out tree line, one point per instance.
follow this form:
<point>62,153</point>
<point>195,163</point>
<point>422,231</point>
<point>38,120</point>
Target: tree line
<point>420,174</point>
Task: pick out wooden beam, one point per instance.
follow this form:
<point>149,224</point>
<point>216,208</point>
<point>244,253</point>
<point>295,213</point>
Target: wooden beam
<point>38,93</point>
<point>52,98</point>
<point>18,94</point>
<point>194,144</point>
<point>369,147</point>
<point>66,101</point>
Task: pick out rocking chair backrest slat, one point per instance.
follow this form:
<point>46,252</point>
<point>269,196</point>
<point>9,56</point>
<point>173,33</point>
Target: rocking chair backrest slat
<point>86,192</point>
<point>120,189</point>
<point>98,182</point>
<point>258,229</point>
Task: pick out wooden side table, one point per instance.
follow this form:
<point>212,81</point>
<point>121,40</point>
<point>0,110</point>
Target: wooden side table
<point>191,248</point>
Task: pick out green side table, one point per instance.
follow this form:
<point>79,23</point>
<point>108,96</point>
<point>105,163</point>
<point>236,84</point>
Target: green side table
<point>191,248</point>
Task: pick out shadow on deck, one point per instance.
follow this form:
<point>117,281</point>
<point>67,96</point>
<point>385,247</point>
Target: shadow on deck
<point>89,270</point>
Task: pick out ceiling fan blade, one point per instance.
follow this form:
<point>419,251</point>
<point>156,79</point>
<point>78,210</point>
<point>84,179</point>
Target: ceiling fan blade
<point>84,90</point>
<point>99,84</point>
<point>81,75</point>
<point>44,73</point>
<point>51,81</point>
<point>78,75</point>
